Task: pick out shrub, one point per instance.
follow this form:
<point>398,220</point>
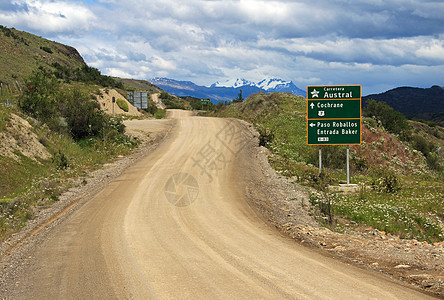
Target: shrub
<point>164,95</point>
<point>83,115</point>
<point>60,160</point>
<point>152,109</point>
<point>266,136</point>
<point>46,49</point>
<point>122,104</point>
<point>39,100</point>
<point>386,182</point>
<point>421,144</point>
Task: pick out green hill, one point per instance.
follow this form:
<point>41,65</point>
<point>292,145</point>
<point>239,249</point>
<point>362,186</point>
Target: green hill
<point>401,188</point>
<point>415,103</point>
<point>21,53</point>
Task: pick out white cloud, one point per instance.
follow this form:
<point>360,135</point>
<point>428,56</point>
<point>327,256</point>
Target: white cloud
<point>382,42</point>
<point>49,17</point>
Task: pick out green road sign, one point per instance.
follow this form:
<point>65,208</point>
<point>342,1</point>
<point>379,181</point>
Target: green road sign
<point>328,109</point>
<point>334,132</point>
<point>205,101</point>
<point>334,115</point>
<point>337,92</point>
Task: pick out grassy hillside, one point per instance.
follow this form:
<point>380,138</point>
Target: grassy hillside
<point>53,131</point>
<point>139,85</point>
<point>399,191</point>
<point>22,52</point>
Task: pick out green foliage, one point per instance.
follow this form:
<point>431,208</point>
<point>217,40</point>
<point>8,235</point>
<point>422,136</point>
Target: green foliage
<point>10,33</point>
<point>60,160</point>
<point>39,100</point>
<point>421,144</point>
<point>392,120</point>
<point>239,98</point>
<point>164,95</point>
<point>333,157</point>
<point>4,118</point>
<point>160,113</point>
<point>85,74</point>
<point>386,181</point>
<point>266,135</point>
<point>67,110</point>
<point>172,102</point>
<point>122,104</point>
<point>83,115</point>
<point>152,109</point>
<point>46,49</point>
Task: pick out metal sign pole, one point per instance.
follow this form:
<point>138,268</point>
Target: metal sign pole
<point>320,160</point>
<point>348,165</point>
<point>114,101</point>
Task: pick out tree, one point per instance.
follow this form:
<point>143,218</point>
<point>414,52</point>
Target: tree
<point>392,120</point>
<point>39,100</point>
<point>239,98</point>
<point>83,115</point>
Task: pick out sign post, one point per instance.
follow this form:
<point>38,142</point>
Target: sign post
<point>334,117</point>
<point>205,101</point>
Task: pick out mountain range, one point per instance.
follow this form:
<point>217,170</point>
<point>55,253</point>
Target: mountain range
<point>226,91</point>
<point>415,103</point>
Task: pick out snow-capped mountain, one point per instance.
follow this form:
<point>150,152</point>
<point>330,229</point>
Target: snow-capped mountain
<point>227,90</point>
<point>273,83</point>
<point>233,83</point>
<point>268,85</point>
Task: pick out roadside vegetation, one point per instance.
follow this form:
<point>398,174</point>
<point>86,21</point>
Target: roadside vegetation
<point>398,168</point>
<point>69,126</point>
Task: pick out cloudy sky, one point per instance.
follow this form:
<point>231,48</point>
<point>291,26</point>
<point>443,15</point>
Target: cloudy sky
<point>380,44</point>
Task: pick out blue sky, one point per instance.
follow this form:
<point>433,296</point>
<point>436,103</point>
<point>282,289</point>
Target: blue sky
<point>380,44</point>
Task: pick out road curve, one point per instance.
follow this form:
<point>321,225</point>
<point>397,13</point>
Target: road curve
<point>176,225</point>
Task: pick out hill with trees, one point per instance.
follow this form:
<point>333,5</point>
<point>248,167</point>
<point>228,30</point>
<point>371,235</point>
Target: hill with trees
<point>415,103</point>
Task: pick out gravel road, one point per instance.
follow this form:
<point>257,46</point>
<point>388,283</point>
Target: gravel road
<point>181,222</point>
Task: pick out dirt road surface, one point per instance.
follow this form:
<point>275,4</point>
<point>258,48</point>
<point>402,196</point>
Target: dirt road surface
<point>176,225</point>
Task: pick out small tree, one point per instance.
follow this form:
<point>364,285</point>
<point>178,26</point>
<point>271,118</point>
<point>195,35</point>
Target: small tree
<point>83,115</point>
<point>239,98</point>
<point>39,100</point>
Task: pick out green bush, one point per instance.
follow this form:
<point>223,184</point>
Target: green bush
<point>40,98</point>
<point>266,136</point>
<point>46,49</point>
<point>387,182</point>
<point>60,160</point>
<point>122,104</point>
<point>83,115</point>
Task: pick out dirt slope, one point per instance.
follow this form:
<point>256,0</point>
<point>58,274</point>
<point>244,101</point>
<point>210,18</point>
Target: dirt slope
<point>105,99</point>
<point>18,137</point>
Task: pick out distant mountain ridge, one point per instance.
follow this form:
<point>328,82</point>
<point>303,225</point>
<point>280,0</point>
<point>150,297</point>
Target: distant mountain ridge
<point>227,90</point>
<point>415,103</point>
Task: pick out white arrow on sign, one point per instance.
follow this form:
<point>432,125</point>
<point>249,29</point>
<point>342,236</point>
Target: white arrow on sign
<point>312,105</point>
<point>312,125</point>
